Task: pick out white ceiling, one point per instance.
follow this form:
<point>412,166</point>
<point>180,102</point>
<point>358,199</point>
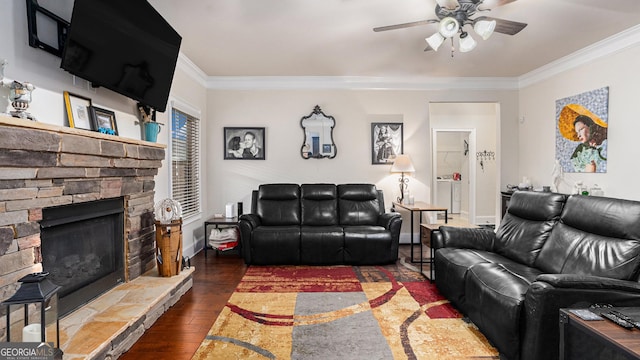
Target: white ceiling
<point>335,37</point>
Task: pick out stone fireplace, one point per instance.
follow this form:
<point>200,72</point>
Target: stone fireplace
<point>45,166</point>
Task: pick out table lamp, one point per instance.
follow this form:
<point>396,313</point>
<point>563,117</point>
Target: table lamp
<point>402,164</point>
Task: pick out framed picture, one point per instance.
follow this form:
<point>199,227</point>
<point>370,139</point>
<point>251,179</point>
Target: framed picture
<point>386,142</point>
<point>104,120</point>
<point>244,143</point>
<point>78,111</point>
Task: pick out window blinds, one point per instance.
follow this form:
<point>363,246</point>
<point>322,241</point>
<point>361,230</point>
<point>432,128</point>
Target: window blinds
<point>185,161</point>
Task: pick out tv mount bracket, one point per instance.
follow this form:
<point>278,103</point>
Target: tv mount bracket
<point>33,9</point>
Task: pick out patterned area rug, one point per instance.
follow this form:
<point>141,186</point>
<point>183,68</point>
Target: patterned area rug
<point>340,312</point>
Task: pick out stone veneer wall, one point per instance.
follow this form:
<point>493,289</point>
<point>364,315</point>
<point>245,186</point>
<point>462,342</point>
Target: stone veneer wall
<point>46,165</point>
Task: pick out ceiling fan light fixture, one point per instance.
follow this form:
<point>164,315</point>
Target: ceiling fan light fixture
<point>435,41</point>
<point>448,27</point>
<point>484,28</point>
<point>467,43</point>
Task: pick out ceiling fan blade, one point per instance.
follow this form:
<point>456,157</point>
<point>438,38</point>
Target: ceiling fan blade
<point>490,4</point>
<point>504,26</point>
<point>449,4</point>
<point>405,25</point>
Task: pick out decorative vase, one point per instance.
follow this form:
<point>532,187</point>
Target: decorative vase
<point>151,131</point>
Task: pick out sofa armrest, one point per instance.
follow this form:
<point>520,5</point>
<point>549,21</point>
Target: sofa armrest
<point>552,292</point>
<point>247,223</point>
<point>252,220</point>
<point>466,238</point>
<point>586,282</point>
<point>386,220</point>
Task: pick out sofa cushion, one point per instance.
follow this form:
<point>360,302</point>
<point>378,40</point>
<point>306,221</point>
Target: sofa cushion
<point>278,204</point>
<point>595,236</point>
<point>368,245</point>
<point>527,224</point>
<point>319,204</point>
<point>275,245</point>
<point>494,296</point>
<point>358,204</point>
<point>321,245</point>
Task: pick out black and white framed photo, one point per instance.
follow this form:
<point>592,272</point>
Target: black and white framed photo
<point>244,143</point>
<point>386,142</point>
<point>104,120</point>
<point>78,111</point>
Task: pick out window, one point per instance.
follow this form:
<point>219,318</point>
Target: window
<point>185,161</point>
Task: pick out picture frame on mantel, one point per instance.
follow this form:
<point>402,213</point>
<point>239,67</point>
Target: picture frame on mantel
<point>78,111</point>
<point>104,120</point>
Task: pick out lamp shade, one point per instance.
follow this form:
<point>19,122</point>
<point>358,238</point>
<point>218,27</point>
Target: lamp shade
<point>402,164</point>
<point>435,41</point>
<point>484,28</point>
<point>467,43</point>
<point>449,27</point>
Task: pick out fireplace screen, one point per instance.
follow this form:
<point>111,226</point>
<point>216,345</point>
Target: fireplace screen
<point>83,249</point>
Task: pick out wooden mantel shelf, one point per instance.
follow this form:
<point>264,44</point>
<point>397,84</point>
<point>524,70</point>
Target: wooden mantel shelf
<point>22,123</point>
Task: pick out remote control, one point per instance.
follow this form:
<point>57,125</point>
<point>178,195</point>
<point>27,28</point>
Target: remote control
<point>618,320</point>
<point>626,318</point>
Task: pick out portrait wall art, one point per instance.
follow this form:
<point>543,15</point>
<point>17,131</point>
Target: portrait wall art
<point>244,143</point>
<point>386,142</point>
<point>582,122</point>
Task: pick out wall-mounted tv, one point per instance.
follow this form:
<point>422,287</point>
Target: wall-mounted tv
<point>125,46</point>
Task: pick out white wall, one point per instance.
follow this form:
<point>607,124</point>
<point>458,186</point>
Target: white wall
<point>280,111</point>
<point>620,72</point>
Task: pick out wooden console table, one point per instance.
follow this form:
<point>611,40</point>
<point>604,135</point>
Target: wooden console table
<point>420,207</point>
<point>596,339</point>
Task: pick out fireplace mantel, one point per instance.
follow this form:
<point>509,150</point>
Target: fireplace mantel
<point>43,165</point>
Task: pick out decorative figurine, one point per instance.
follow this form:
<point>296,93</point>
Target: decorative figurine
<point>20,95</point>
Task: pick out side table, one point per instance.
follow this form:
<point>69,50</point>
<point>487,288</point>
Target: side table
<point>217,222</point>
<point>597,339</point>
<point>420,207</point>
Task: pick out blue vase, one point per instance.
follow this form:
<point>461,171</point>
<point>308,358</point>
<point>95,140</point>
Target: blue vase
<point>151,130</point>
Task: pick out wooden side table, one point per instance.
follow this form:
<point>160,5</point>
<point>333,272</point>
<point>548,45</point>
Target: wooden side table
<point>597,339</point>
<point>217,222</point>
<point>420,207</point>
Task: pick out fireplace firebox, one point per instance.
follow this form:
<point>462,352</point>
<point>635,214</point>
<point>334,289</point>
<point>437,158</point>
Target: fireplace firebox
<point>83,249</point>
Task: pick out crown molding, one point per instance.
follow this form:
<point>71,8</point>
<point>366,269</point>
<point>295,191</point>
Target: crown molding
<point>603,48</point>
<point>606,47</point>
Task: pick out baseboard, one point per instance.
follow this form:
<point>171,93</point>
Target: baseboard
<point>485,220</point>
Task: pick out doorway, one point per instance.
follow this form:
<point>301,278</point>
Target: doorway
<point>460,132</point>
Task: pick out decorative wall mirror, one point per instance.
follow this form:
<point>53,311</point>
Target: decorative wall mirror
<point>318,135</point>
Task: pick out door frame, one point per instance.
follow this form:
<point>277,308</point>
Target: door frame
<point>471,170</point>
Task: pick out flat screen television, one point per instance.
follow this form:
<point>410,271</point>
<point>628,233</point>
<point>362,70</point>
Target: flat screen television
<point>125,46</point>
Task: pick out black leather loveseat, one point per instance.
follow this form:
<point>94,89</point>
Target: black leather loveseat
<point>319,224</point>
<point>550,251</point>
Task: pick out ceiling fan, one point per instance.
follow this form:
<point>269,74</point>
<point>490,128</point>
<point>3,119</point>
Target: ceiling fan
<point>453,15</point>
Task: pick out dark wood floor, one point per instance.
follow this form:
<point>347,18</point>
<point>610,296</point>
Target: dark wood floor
<point>179,332</point>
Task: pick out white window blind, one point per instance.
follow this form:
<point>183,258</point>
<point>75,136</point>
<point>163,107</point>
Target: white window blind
<point>185,161</point>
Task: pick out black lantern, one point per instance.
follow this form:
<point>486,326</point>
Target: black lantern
<point>39,292</point>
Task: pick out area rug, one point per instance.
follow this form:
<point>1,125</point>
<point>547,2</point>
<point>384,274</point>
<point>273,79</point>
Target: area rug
<point>340,312</point>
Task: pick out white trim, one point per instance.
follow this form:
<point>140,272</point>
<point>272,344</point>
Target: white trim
<point>606,47</point>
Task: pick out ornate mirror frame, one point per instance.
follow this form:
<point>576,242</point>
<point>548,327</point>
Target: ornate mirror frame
<point>317,129</point>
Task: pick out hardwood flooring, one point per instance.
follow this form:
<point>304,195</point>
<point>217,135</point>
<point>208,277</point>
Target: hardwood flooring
<point>179,332</point>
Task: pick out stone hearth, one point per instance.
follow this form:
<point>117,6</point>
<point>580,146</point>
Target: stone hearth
<point>44,165</point>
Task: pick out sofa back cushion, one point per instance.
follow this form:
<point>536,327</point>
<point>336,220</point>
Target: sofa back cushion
<point>358,204</point>
<point>527,224</point>
<point>319,204</point>
<point>278,204</point>
<point>595,236</point>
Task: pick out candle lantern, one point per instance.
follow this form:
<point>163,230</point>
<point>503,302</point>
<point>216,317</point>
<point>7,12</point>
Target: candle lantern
<point>39,293</point>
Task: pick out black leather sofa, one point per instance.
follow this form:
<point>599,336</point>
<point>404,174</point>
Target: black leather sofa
<point>319,224</point>
<point>550,251</point>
